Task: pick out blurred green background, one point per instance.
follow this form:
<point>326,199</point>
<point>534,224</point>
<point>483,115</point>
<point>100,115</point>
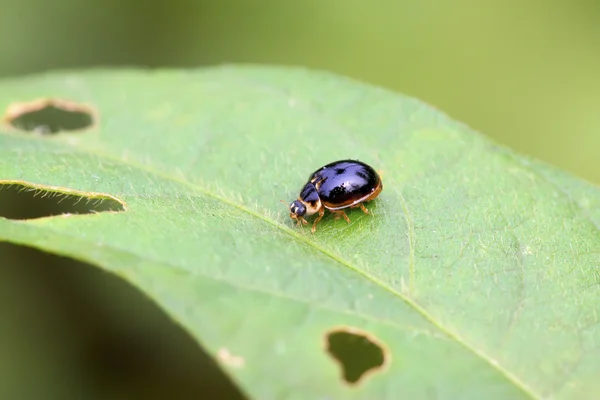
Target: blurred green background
<point>525,72</point>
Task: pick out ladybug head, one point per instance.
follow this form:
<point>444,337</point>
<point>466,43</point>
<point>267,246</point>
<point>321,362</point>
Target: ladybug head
<point>297,209</point>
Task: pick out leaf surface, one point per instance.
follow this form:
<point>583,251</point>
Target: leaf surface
<point>478,269</point>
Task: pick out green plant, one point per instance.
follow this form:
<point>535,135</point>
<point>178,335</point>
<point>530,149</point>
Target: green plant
<point>475,277</point>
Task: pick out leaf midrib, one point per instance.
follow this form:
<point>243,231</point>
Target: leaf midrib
<point>202,190</point>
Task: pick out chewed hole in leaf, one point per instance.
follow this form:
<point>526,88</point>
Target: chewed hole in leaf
<point>48,116</point>
<point>21,200</point>
<point>358,353</point>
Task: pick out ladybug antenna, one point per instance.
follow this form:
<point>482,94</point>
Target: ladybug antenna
<point>286,204</point>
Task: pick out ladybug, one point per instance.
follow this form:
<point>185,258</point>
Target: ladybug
<point>336,186</point>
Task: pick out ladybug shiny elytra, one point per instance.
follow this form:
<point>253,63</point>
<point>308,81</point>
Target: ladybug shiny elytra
<point>336,186</point>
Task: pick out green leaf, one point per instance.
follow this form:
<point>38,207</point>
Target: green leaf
<point>477,273</point>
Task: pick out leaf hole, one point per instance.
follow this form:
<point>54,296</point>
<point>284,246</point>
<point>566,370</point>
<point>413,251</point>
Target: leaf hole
<point>22,200</point>
<point>358,353</point>
<point>49,116</point>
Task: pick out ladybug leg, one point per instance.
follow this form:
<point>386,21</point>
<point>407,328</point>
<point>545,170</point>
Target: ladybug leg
<point>341,213</point>
<point>362,207</point>
<point>300,221</point>
<point>321,213</point>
